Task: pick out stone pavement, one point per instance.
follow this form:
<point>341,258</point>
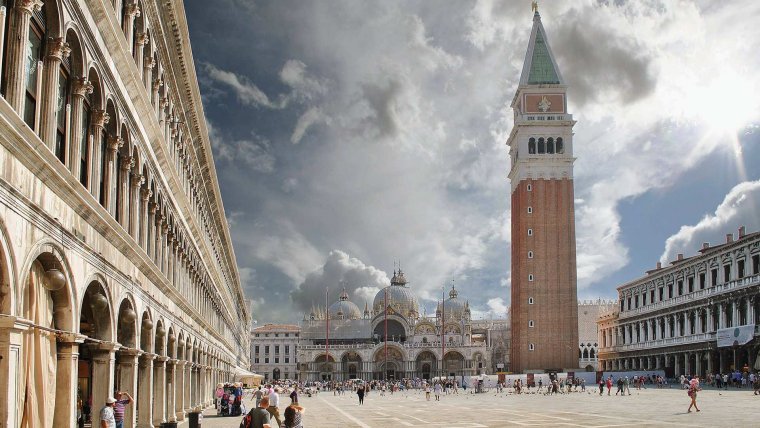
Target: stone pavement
<point>645,408</point>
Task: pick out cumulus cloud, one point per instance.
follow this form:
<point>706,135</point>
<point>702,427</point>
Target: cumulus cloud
<point>741,207</point>
<point>412,112</point>
<point>339,271</point>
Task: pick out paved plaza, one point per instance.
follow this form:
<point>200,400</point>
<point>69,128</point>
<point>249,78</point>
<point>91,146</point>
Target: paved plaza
<point>645,408</point>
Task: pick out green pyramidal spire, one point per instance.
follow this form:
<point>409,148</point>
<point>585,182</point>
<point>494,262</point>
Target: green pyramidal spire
<point>539,68</point>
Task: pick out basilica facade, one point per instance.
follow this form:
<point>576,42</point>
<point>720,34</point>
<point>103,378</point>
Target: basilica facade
<point>394,339</point>
<point>117,271</point>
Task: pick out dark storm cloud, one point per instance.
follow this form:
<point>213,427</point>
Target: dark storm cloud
<point>596,62</point>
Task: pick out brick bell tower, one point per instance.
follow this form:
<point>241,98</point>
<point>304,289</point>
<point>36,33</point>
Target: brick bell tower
<point>544,290</point>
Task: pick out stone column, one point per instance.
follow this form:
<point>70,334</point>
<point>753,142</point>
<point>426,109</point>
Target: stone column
<point>150,241</point>
<point>721,319</point>
<point>128,363</point>
<point>131,11</point>
<point>159,390</point>
<point>11,340</point>
<point>202,385</point>
<point>157,239</point>
<point>66,379</point>
<point>164,247</point>
<point>709,362</point>
<point>154,96</point>
<point>18,43</point>
<point>170,241</point>
<point>122,182</point>
<point>144,221</point>
<point>678,364</point>
<point>145,394</point>
<point>171,386</point>
<point>141,40</point>
<point>80,88</point>
<point>147,71</point>
<point>135,206</point>
<point>735,313</point>
<point>98,121</point>
<point>103,358</point>
<point>57,50</point>
<point>179,391</point>
<point>698,363</point>
<point>188,386</point>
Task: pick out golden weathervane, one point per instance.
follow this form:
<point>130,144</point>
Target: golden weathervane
<point>534,6</point>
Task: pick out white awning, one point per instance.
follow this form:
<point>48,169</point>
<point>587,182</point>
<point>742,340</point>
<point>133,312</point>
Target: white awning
<point>241,373</point>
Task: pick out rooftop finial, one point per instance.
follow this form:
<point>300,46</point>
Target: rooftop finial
<point>534,6</point>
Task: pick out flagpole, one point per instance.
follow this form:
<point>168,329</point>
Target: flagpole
<point>327,328</point>
<point>443,325</point>
<point>385,310</point>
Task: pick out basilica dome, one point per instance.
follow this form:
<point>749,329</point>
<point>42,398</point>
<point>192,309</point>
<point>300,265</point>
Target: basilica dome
<point>453,307</point>
<point>400,297</point>
<point>344,309</point>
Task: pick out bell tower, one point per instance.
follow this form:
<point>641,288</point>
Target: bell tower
<point>544,290</point>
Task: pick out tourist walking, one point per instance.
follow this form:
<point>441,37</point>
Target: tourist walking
<point>257,395</point>
<point>274,403</point>
<point>609,385</point>
<point>360,393</point>
<point>693,388</point>
<point>427,391</point>
<point>437,390</point>
<point>601,386</point>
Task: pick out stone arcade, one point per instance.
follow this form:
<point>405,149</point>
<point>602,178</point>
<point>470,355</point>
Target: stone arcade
<point>116,264</point>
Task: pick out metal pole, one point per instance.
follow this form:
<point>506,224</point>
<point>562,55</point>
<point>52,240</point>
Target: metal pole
<point>385,311</point>
<point>443,325</point>
<point>327,327</point>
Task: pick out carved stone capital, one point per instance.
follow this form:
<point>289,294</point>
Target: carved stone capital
<point>114,143</point>
<point>142,39</point>
<point>57,49</point>
<point>157,84</point>
<point>29,6</point>
<point>81,87</point>
<point>131,10</point>
<point>100,118</point>
<point>127,163</point>
<point>145,193</point>
<point>149,62</point>
<point>137,179</point>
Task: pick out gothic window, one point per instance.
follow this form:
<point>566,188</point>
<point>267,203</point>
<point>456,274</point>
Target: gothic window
<point>541,146</point>
<point>585,354</point>
<point>592,354</point>
<point>550,146</point>
<point>530,254</point>
<point>560,147</point>
<point>84,147</point>
<point>61,101</point>
<point>531,324</point>
<point>531,347</point>
<point>33,55</point>
<point>532,146</point>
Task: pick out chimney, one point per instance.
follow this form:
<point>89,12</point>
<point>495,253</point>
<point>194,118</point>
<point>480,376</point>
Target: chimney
<point>742,232</point>
<point>680,257</point>
<point>659,265</point>
<point>705,245</point>
<point>729,238</point>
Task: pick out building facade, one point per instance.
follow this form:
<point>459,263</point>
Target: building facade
<point>589,312</point>
<point>393,340</point>
<point>544,291</point>
<point>274,351</point>
<point>698,315</point>
<point>116,264</point>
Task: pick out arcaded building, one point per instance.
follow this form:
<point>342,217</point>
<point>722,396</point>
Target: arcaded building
<point>116,264</point>
<point>393,339</point>
<point>544,290</point>
<point>696,315</point>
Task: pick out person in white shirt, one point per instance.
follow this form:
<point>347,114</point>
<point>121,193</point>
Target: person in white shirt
<point>274,403</point>
<point>107,419</point>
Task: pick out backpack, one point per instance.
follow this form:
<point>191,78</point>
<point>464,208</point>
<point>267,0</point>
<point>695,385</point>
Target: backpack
<point>247,421</point>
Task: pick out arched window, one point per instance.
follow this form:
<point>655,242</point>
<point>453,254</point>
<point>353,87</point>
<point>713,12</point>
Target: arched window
<point>585,353</point>
<point>34,52</point>
<point>84,147</point>
<point>530,300</point>
<point>63,98</point>
<point>592,353</point>
<point>531,347</point>
<point>532,146</point>
<point>541,146</point>
<point>531,324</point>
<point>550,145</point>
<point>560,146</point>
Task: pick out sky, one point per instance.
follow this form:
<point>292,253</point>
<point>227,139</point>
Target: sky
<point>351,137</point>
